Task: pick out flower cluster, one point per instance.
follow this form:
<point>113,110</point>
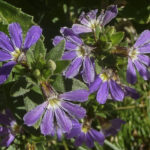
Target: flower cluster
<point>59,112</point>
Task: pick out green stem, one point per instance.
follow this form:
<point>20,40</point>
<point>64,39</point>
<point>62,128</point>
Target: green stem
<point>111,145</point>
<point>131,107</point>
<point>65,145</point>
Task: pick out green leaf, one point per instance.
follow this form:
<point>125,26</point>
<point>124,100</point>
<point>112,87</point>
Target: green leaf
<point>39,50</point>
<point>30,58</point>
<point>9,14</point>
<point>57,52</point>
<point>20,88</point>
<point>117,37</point>
<point>40,146</point>
<point>58,83</point>
<point>61,65</point>
<point>112,146</point>
<point>77,84</point>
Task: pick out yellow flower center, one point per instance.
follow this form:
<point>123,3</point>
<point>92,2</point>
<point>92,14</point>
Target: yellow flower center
<point>81,52</point>
<point>133,54</point>
<point>54,103</point>
<point>104,77</point>
<point>16,54</point>
<point>85,129</point>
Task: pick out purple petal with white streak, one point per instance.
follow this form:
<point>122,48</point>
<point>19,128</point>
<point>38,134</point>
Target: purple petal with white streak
<point>80,139</point>
<point>69,55</point>
<point>74,109</point>
<point>47,124</point>
<point>5,43</point>
<point>31,117</point>
<point>8,140</point>
<point>70,35</point>
<point>15,32</point>
<point>88,70</point>
<point>78,29</point>
<point>143,38</point>
<point>74,68</point>
<point>144,59</point>
<point>4,56</point>
<point>32,36</point>
<point>95,85</point>
<point>116,91</point>
<point>89,140</point>
<point>76,129</point>
<point>77,95</point>
<point>63,120</point>
<point>102,93</point>
<point>142,70</point>
<point>97,136</point>
<point>5,71</point>
<point>144,49</point>
<point>110,13</point>
<point>131,73</point>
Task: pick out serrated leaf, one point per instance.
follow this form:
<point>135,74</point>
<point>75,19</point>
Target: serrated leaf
<point>117,37</point>
<point>57,52</point>
<point>61,65</point>
<point>20,88</point>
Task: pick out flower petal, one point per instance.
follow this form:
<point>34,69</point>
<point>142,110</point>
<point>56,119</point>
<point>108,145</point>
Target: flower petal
<point>8,140</point>
<point>78,29</point>
<point>95,85</point>
<point>57,40</point>
<point>77,95</point>
<point>74,109</point>
<point>74,68</point>
<point>71,36</point>
<point>144,59</point>
<point>15,32</point>
<point>5,71</point>
<point>142,70</point>
<point>32,36</point>
<point>144,49</point>
<point>89,140</point>
<point>47,124</point>
<point>116,91</point>
<point>132,93</point>
<point>131,73</point>
<point>5,43</point>
<point>63,120</point>
<point>88,71</point>
<point>4,56</point>
<point>31,117</point>
<point>92,14</point>
<point>80,139</point>
<point>116,123</point>
<point>69,55</point>
<point>83,19</point>
<point>59,133</point>
<point>110,13</point>
<point>76,129</point>
<point>97,136</point>
<point>143,38</point>
<point>102,93</point>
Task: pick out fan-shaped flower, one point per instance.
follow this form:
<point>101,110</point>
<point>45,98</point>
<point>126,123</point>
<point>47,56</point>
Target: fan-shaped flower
<point>90,21</point>
<point>13,50</point>
<point>138,59</point>
<point>8,128</point>
<point>79,53</point>
<point>58,112</point>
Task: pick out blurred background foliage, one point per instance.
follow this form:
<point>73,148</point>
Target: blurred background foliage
<point>133,18</point>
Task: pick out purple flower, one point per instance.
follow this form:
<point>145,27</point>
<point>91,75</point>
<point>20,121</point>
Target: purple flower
<point>112,127</point>
<point>8,128</point>
<point>136,58</point>
<point>105,83</point>
<point>13,50</point>
<point>57,112</point>
<point>89,21</point>
<point>85,134</point>
<point>79,53</point>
